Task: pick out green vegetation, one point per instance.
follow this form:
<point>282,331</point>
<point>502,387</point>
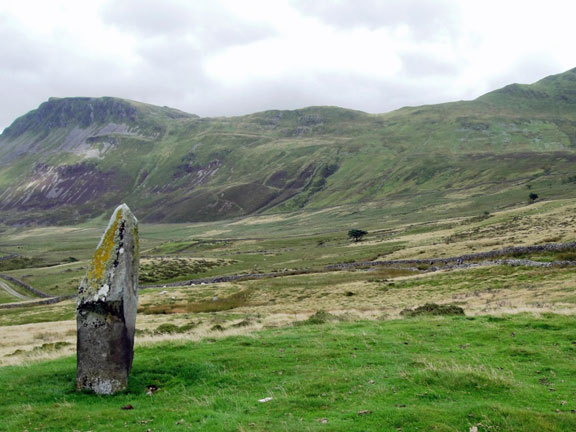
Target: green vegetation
<point>168,328</point>
<point>168,270</point>
<point>19,263</point>
<point>174,167</point>
<point>215,304</point>
<point>37,314</point>
<point>433,309</point>
<point>443,373</point>
<point>320,317</point>
<point>357,234</point>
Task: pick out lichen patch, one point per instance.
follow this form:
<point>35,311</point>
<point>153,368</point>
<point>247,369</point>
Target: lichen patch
<point>103,253</point>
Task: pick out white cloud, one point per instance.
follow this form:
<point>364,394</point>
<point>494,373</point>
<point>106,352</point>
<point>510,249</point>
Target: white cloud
<point>313,51</point>
<point>227,57</point>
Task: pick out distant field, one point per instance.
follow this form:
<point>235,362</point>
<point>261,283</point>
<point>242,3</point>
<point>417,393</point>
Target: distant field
<point>54,259</point>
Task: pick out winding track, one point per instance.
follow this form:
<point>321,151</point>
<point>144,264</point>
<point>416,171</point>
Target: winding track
<point>11,291</point>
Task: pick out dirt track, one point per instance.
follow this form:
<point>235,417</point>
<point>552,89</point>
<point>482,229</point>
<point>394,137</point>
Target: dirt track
<point>11,291</point>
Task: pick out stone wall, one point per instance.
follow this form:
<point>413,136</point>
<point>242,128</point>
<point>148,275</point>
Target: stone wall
<point>24,285</point>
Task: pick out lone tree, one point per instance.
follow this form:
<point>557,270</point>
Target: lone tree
<point>533,196</point>
<point>357,234</point>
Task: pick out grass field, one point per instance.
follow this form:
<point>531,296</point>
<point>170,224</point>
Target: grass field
<point>510,373</point>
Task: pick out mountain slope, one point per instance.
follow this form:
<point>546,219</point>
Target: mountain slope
<point>74,158</point>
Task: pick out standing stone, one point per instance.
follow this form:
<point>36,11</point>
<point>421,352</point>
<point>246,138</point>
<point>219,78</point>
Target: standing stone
<point>106,310</point>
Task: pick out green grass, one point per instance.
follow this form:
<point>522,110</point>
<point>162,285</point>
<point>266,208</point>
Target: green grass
<point>19,263</point>
<point>6,297</point>
<point>37,314</point>
<point>443,374</point>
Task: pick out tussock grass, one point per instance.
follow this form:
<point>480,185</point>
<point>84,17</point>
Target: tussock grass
<point>176,268</point>
<point>216,304</point>
<point>433,309</point>
<point>463,377</point>
<point>320,317</point>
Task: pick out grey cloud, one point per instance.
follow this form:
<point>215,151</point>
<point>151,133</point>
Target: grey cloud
<point>175,37</point>
<point>22,61</point>
<point>528,70</point>
<point>345,90</point>
<point>17,51</point>
<point>427,19</point>
<point>178,55</point>
<point>416,63</point>
<point>208,23</point>
<point>150,17</point>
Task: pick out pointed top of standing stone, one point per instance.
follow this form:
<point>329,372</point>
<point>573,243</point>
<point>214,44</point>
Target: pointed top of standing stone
<point>107,260</point>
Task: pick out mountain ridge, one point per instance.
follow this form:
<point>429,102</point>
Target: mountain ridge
<point>73,158</point>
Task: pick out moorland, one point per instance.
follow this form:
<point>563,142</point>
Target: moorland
<point>273,299</point>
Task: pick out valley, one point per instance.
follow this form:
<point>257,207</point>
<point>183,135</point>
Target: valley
<point>214,349</point>
<point>251,288</point>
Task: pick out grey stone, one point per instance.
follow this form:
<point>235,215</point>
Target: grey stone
<point>106,308</point>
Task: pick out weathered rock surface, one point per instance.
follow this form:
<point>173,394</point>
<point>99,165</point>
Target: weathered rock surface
<point>106,308</point>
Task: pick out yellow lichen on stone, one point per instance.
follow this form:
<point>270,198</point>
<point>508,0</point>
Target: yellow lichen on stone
<point>103,253</point>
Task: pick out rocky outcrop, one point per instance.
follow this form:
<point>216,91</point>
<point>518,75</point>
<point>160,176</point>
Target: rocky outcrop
<point>50,187</point>
<point>106,308</point>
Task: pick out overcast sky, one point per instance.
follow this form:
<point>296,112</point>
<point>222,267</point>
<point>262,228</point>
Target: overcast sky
<point>232,57</point>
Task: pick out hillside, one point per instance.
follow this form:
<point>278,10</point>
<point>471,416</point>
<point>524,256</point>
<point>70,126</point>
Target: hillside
<point>73,159</point>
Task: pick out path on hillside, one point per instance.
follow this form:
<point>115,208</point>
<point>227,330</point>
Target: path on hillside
<point>11,291</point>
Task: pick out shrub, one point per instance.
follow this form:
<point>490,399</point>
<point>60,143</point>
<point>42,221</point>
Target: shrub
<point>356,234</point>
<point>233,301</point>
<point>433,309</point>
<point>320,317</point>
<point>70,259</point>
<point>567,256</point>
<point>168,328</point>
<point>244,323</point>
<point>20,263</point>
